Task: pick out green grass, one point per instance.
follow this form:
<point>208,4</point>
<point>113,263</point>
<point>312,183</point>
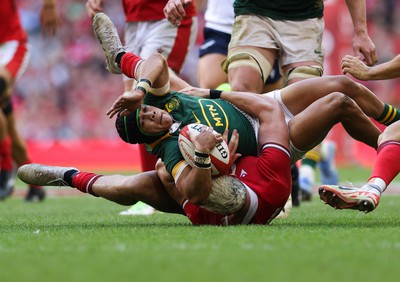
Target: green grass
<point>84,239</point>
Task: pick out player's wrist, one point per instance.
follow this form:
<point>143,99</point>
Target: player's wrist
<point>202,159</point>
<point>143,85</point>
<point>215,94</point>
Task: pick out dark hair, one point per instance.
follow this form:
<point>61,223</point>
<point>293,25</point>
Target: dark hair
<point>128,128</point>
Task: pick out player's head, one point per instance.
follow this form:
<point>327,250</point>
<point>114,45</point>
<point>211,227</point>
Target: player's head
<point>147,124</point>
<point>227,196</point>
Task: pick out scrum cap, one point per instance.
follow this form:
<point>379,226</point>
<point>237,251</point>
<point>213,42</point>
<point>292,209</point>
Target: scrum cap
<point>128,128</point>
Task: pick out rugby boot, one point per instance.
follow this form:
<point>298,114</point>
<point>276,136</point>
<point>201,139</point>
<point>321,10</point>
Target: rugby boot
<point>107,35</point>
<point>364,199</point>
<point>43,175</point>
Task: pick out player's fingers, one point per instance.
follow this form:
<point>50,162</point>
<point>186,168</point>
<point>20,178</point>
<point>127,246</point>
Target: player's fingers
<point>225,136</point>
<point>235,157</point>
<point>371,59</point>
<point>114,107</point>
<point>180,9</point>
<point>234,142</point>
<point>172,14</point>
<point>111,113</point>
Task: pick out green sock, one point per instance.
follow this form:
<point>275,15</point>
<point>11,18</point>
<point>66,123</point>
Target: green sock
<point>389,115</point>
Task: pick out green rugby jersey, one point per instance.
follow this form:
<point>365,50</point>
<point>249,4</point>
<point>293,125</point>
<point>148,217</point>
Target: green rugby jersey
<point>188,109</point>
<point>292,10</point>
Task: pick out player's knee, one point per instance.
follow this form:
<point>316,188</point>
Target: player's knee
<point>342,103</point>
<point>382,138</point>
<point>244,85</point>
<point>248,57</point>
<point>344,83</point>
<point>162,172</point>
<point>303,72</point>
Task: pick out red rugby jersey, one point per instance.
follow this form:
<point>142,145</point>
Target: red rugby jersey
<point>149,10</point>
<point>10,28</point>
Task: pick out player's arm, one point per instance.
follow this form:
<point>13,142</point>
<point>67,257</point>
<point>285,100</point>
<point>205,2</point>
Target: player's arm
<point>273,127</point>
<point>49,19</point>
<point>152,76</point>
<point>195,182</point>
<point>360,70</point>
<point>363,46</point>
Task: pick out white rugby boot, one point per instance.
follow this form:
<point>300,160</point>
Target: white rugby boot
<point>364,199</point>
<point>107,35</point>
<point>43,175</point>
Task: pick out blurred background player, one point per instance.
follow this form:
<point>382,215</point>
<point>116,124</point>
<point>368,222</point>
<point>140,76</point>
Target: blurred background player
<point>14,55</point>
<point>148,32</point>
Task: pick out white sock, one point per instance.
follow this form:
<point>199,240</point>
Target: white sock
<point>375,185</point>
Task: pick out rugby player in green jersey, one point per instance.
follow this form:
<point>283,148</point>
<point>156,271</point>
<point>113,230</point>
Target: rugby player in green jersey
<point>153,114</point>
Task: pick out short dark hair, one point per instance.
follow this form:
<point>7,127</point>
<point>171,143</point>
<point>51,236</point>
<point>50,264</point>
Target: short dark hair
<point>128,128</point>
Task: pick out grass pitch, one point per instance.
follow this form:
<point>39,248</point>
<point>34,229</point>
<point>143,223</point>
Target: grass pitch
<point>83,238</point>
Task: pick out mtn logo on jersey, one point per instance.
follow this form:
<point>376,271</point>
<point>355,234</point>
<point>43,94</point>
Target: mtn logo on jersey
<point>213,114</point>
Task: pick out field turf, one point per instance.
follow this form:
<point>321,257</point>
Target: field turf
<point>82,238</point>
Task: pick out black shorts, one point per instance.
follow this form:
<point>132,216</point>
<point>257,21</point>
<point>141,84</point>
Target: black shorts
<point>214,42</point>
<point>275,75</point>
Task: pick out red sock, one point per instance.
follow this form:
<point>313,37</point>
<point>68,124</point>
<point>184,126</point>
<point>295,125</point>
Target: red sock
<point>128,64</point>
<point>387,164</point>
<point>6,161</point>
<point>83,181</point>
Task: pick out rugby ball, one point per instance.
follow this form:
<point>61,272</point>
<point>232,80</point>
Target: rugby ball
<point>220,156</point>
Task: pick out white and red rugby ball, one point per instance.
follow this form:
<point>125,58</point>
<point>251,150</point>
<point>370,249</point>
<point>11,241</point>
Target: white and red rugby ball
<point>220,156</point>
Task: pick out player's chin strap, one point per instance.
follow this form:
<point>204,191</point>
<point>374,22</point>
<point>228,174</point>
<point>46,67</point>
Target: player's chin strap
<point>253,205</point>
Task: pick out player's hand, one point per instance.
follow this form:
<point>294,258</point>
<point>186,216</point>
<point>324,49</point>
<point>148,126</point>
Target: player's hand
<point>174,10</point>
<point>206,140</point>
<point>232,145</point>
<point>364,49</point>
<point>355,67</point>
<point>195,91</point>
<point>49,19</point>
<point>94,6</point>
<point>127,103</point>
